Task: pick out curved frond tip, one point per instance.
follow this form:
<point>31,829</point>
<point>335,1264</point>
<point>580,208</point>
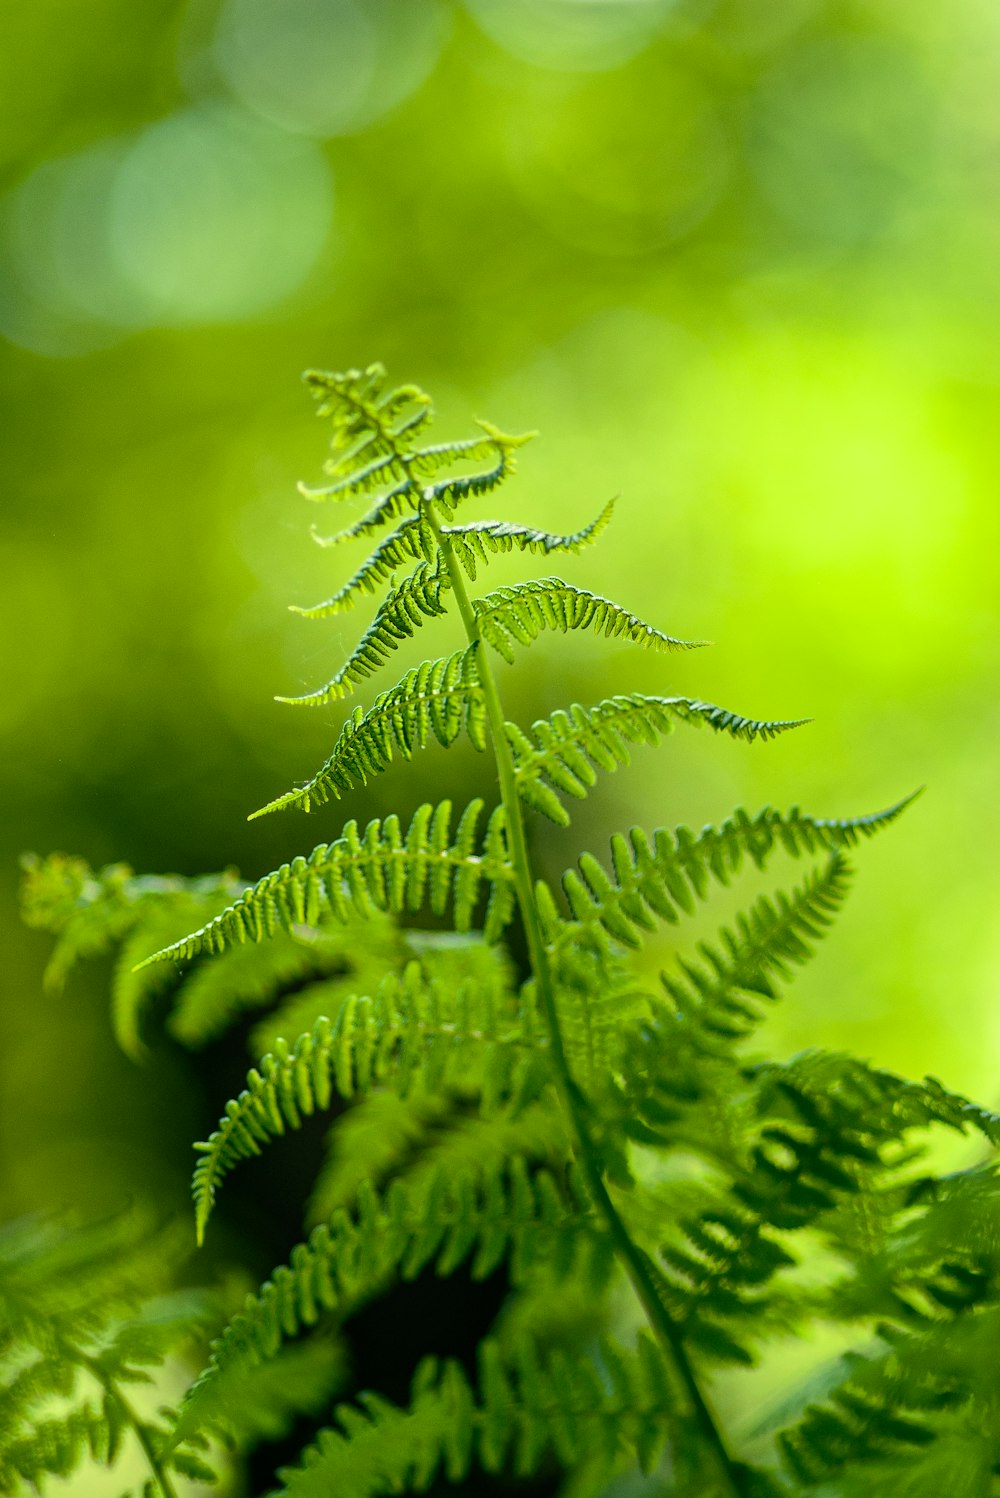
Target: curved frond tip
<point>483,539</point>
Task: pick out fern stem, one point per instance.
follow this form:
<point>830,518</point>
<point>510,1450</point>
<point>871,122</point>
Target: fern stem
<point>629,1253</point>
<point>112,1391</point>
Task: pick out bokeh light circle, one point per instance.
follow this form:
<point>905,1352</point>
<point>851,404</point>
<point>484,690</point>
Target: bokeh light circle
<point>215,215</point>
<point>326,67</point>
<point>831,133</point>
<point>572,35</point>
<point>618,170</point>
<point>62,293</point>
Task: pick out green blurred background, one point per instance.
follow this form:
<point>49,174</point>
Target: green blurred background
<point>735,260</point>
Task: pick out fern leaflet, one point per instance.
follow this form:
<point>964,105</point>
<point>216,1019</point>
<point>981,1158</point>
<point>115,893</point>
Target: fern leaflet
<point>559,753</point>
<point>664,876</point>
<point>437,697</point>
<point>410,1032</point>
<point>417,598</point>
<point>519,614</point>
<point>380,869</point>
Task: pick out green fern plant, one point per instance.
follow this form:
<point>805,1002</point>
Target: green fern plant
<point>570,1122</point>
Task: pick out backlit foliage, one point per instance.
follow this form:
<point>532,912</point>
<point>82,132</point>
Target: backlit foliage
<point>569,1122</point>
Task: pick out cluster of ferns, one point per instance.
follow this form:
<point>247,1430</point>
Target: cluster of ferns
<point>665,1202</point>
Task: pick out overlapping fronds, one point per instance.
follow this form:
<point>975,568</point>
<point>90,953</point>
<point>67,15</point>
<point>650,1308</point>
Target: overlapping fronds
<point>77,1325</point>
<point>671,1057</point>
<point>661,877</point>
<point>437,698</point>
<point>423,1133</point>
<point>539,1113</point>
<point>411,1033</point>
<point>401,613</point>
<point>215,995</point>
<point>589,1415</point>
<point>375,948</point>
<point>382,868</point>
<point>91,912</point>
<point>267,1399</point>
<point>776,935</point>
<point>563,753</point>
<point>517,615</point>
<point>876,1420</point>
<point>450,1220</point>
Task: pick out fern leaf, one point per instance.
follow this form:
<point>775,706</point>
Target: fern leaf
<point>874,1413</point>
<point>401,613</point>
<point>448,1221</point>
<point>412,493</point>
<point>483,539</point>
<point>436,698</point>
<point>775,936</point>
<point>663,876</point>
<point>372,446</point>
<point>447,494</point>
<point>384,869</point>
<point>421,1134</point>
<point>243,979</point>
<point>92,911</point>
<point>588,1415</point>
<point>411,541</point>
<point>76,1322</point>
<point>269,1397</point>
<point>519,614</point>
<point>410,1032</point>
<point>715,1277</point>
<point>369,423</point>
<point>560,753</point>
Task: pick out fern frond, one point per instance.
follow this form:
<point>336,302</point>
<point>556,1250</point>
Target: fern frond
<point>242,979</point>
<point>559,753</point>
<point>411,1033</point>
<point>716,1276</point>
<point>447,494</point>
<point>91,911</point>
<point>412,493</point>
<point>437,698</point>
<point>776,935</point>
<point>380,869</point>
<point>662,876</point>
<point>588,1415</point>
<point>484,539</point>
<point>270,1396</point>
<point>76,1324</point>
<point>449,1220</point>
<point>374,948</point>
<point>411,541</point>
<point>519,614</point>
<point>401,613</point>
<point>421,1134</point>
<point>875,1414</point>
<point>368,422</point>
